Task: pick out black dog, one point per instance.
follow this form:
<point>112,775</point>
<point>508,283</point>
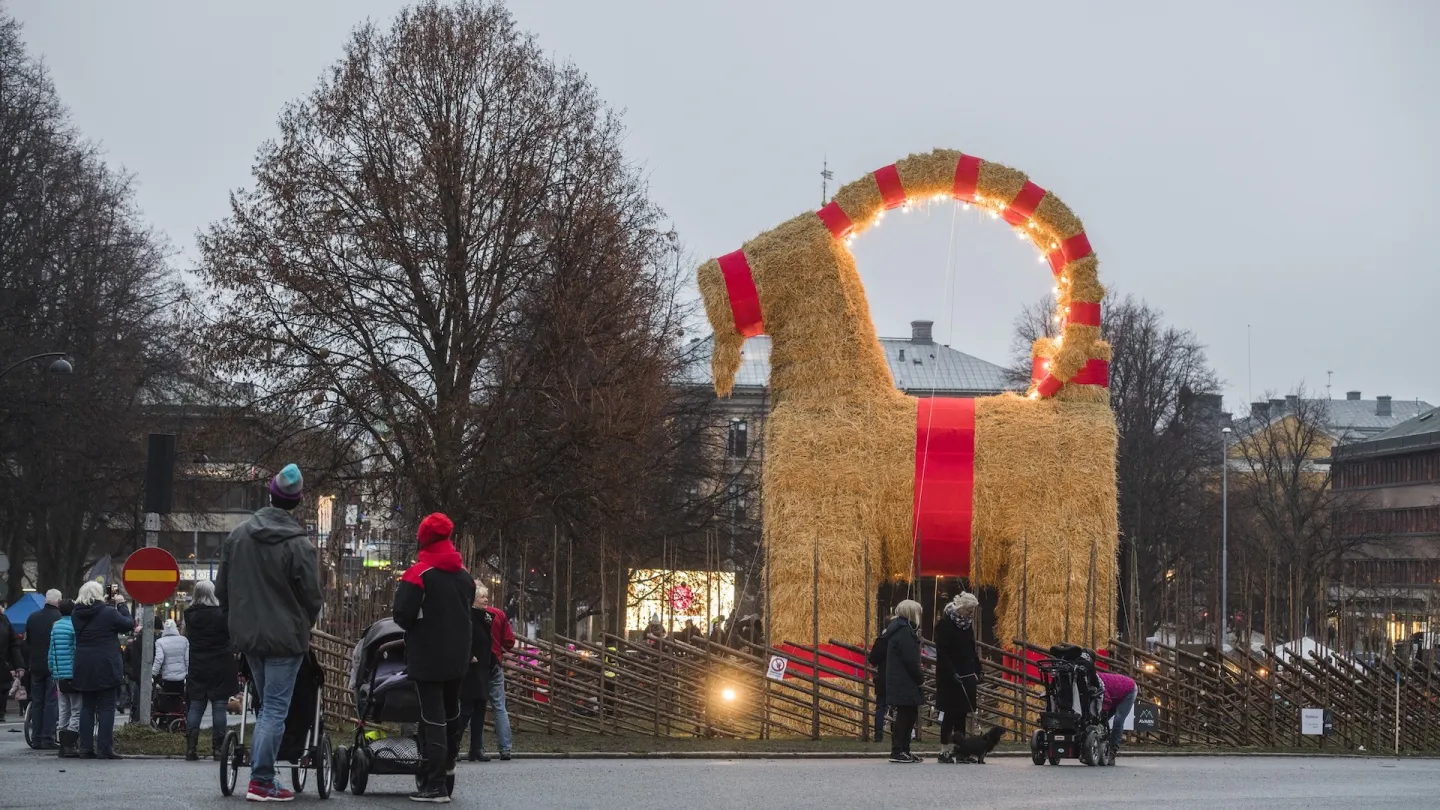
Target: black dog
<point>975,748</point>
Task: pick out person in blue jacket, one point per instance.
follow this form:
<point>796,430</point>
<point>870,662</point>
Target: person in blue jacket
<point>61,661</point>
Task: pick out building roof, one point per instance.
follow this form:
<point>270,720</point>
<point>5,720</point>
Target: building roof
<point>918,368</point>
<point>1419,433</point>
<point>1348,420</point>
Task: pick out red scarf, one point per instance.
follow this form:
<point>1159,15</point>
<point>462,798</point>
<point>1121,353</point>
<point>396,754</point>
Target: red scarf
<point>441,555</point>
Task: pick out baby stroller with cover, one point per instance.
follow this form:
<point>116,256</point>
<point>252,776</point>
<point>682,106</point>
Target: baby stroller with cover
<point>1072,724</point>
<point>168,706</point>
<point>305,743</point>
<point>384,693</point>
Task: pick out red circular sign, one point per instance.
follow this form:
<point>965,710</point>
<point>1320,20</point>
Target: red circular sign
<point>150,576</point>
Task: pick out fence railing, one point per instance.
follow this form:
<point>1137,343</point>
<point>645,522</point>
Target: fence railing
<point>673,688</point>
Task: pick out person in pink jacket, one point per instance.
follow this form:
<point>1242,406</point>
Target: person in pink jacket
<point>1120,698</point>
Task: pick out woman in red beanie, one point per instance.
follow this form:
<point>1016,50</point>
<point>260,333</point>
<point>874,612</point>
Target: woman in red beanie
<point>432,605</point>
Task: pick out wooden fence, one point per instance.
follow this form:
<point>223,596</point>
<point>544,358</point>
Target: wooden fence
<point>670,688</point>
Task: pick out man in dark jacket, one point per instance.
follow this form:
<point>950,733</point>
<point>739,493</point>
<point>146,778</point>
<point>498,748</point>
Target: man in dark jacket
<point>903,678</point>
<point>877,660</point>
<point>42,686</point>
<point>432,606</point>
<point>269,587</point>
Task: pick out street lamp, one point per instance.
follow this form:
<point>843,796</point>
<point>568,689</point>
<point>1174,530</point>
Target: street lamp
<point>59,366</point>
<point>1224,534</point>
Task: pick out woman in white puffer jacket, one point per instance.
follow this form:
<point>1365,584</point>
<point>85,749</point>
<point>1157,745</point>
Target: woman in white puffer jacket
<point>172,657</point>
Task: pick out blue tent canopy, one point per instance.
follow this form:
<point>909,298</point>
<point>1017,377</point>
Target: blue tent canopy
<point>19,613</point>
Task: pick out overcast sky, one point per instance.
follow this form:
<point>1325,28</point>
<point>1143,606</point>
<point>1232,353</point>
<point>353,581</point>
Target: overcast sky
<point>1271,164</point>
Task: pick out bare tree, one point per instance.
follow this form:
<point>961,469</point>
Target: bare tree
<point>447,265</point>
<point>81,273</point>
<point>1286,515</point>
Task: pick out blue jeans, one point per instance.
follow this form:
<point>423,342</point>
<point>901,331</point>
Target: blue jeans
<point>44,709</point>
<point>274,679</point>
<point>502,717</point>
<point>1123,707</point>
<point>196,712</point>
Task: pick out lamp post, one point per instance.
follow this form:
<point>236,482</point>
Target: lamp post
<point>1224,534</point>
<point>59,366</point>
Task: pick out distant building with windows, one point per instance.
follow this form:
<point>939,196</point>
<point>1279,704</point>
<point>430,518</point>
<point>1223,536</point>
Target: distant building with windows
<point>1397,571</point>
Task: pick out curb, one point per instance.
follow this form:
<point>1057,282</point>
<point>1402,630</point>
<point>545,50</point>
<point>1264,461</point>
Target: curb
<point>875,755</point>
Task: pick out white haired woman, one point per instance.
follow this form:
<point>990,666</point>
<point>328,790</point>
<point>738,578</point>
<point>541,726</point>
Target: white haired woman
<point>98,620</point>
<point>903,678</point>
<point>957,672</point>
<point>212,676</point>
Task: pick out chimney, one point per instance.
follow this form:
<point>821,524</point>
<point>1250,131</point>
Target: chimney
<point>1291,400</point>
<point>1382,406</point>
<point>920,332</point>
<point>1260,410</point>
<point>1353,396</point>
<point>1277,406</point>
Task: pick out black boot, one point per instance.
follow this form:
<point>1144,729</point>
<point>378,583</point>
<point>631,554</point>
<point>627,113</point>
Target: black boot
<point>67,746</point>
<point>217,743</point>
<point>192,739</point>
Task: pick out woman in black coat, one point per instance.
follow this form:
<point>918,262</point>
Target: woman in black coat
<point>212,678</point>
<point>957,672</point>
<point>98,668</point>
<point>903,678</point>
<point>477,679</point>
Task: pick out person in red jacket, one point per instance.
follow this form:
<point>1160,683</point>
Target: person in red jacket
<point>432,605</point>
<point>502,639</point>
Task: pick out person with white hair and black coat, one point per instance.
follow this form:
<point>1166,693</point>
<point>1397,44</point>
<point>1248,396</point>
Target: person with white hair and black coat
<point>99,620</point>
<point>957,673</point>
<point>212,677</point>
<point>903,678</point>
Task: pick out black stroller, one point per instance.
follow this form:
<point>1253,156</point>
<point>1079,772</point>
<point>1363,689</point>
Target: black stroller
<point>384,693</point>
<point>1072,724</point>
<point>305,744</point>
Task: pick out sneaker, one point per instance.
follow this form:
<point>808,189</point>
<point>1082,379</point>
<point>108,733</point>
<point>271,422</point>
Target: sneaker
<point>914,760</point>
<point>900,759</point>
<point>267,792</point>
<point>945,758</point>
<point>504,756</point>
<point>433,795</point>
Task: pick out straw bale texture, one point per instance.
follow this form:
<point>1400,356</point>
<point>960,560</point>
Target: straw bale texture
<point>840,460</point>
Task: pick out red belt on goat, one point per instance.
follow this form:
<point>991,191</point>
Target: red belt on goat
<point>944,486</point>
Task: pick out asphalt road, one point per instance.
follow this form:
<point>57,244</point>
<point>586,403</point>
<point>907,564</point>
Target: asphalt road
<point>32,780</point>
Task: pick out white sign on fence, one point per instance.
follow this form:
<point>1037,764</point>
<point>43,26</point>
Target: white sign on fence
<point>776,671</point>
<point>1312,721</point>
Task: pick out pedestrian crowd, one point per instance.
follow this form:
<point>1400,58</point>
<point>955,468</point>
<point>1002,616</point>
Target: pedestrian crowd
<point>69,666</point>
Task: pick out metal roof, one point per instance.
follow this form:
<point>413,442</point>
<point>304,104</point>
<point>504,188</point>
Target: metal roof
<point>925,367</point>
<point>1420,433</point>
<point>1348,420</point>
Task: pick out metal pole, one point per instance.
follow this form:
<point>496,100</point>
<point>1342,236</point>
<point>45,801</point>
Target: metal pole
<point>1224,534</point>
<point>147,627</point>
<point>20,363</point>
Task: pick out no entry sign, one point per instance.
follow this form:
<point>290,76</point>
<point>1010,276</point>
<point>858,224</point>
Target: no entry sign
<point>150,576</point>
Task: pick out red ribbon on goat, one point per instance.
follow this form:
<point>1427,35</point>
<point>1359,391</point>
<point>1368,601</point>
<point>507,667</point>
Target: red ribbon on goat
<point>1023,206</point>
<point>835,219</point>
<point>967,177</point>
<point>744,298</point>
<point>891,189</point>
<point>944,486</point>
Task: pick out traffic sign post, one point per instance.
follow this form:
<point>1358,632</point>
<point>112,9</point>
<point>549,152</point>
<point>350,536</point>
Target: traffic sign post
<point>150,577</point>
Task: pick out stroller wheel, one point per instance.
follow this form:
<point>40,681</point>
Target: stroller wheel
<point>324,770</point>
<point>1037,748</point>
<point>359,771</point>
<point>340,768</point>
<point>299,775</point>
<point>177,726</point>
<point>229,763</point>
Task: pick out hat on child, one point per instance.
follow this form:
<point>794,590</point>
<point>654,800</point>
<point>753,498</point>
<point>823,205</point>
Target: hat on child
<point>434,528</point>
